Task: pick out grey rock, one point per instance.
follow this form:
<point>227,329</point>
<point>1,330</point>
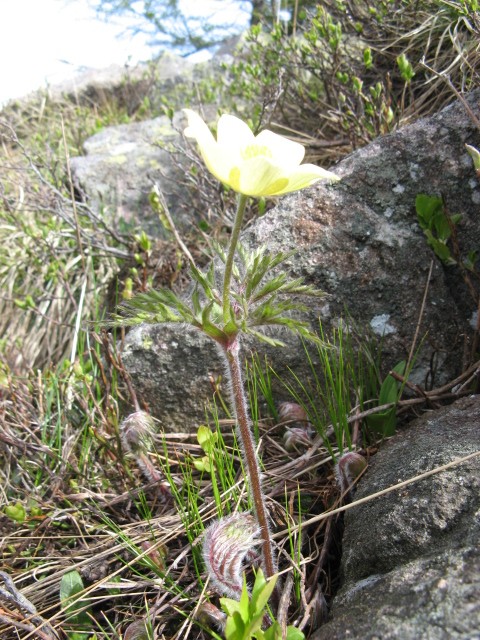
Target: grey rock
<point>411,558</point>
<point>359,241</point>
<point>122,163</point>
<point>164,365</point>
<point>121,166</point>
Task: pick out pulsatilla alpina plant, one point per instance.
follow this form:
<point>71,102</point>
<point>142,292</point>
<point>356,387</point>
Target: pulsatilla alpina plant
<point>239,294</point>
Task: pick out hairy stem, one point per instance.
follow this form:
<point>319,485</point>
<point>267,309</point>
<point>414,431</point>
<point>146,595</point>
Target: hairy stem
<point>248,444</point>
<point>237,226</point>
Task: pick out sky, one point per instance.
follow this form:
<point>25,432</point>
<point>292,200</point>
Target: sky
<point>43,42</point>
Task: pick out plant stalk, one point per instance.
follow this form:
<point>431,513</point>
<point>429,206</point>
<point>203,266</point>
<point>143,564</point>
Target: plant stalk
<point>246,437</point>
<point>237,227</point>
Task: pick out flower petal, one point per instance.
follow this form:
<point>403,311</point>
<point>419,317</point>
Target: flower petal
<point>196,127</point>
<point>284,151</point>
<point>217,158</point>
<point>304,176</point>
<point>233,133</point>
<point>257,176</point>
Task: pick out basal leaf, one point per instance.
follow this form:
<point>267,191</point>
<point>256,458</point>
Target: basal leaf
<point>384,423</point>
<point>262,590</point>
<point>203,281</point>
<point>70,586</point>
<point>390,386</point>
<point>262,337</point>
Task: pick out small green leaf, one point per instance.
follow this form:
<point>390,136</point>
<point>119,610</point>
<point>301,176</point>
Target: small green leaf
<point>390,386</point>
<point>235,627</point>
<point>471,260</point>
<point>157,206</point>
<point>262,590</point>
<point>367,57</point>
<point>406,68</point>
<point>229,605</point>
<point>203,464</point>
<point>206,438</point>
<point>384,423</point>
<point>71,585</point>
<point>16,512</point>
<point>294,634</point>
<point>428,208</point>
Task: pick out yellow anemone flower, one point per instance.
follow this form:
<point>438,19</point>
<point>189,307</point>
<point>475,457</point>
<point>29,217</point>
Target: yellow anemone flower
<point>263,165</point>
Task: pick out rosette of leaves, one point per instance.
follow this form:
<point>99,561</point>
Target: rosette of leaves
<point>260,298</point>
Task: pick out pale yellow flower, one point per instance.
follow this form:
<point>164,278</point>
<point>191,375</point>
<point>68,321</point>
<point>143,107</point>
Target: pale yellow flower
<point>264,165</point>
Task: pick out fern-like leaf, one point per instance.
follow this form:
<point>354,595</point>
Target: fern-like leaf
<point>152,307</point>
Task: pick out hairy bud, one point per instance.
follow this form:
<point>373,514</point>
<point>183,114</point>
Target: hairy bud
<point>227,544</point>
<point>297,437</point>
<point>349,466</point>
<point>291,412</point>
<point>210,615</point>
<point>300,432</point>
<point>136,434</point>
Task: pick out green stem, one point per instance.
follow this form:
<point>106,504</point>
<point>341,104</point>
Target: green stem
<point>237,227</point>
<point>248,444</point>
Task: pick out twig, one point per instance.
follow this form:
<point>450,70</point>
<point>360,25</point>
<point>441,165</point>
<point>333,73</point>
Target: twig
<point>383,492</point>
<point>26,627</point>
<point>447,80</point>
<point>173,228</point>
<point>11,594</point>
<point>420,316</point>
<point>414,387</point>
<point>78,232</point>
<point>282,611</point>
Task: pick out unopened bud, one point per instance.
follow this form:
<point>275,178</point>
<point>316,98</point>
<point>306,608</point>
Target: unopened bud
<point>349,466</point>
<point>226,545</point>
<point>137,631</point>
<point>136,432</point>
<point>297,437</point>
<point>291,412</point>
<point>210,615</point>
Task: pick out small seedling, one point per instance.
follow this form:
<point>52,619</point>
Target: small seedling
<point>384,422</point>
<point>436,225</point>
<point>75,608</point>
<point>247,616</point>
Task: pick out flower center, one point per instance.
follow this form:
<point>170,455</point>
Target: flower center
<point>254,150</point>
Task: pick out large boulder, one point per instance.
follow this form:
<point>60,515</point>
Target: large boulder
<point>411,558</point>
<point>120,167</point>
<point>358,240</point>
<point>122,163</point>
